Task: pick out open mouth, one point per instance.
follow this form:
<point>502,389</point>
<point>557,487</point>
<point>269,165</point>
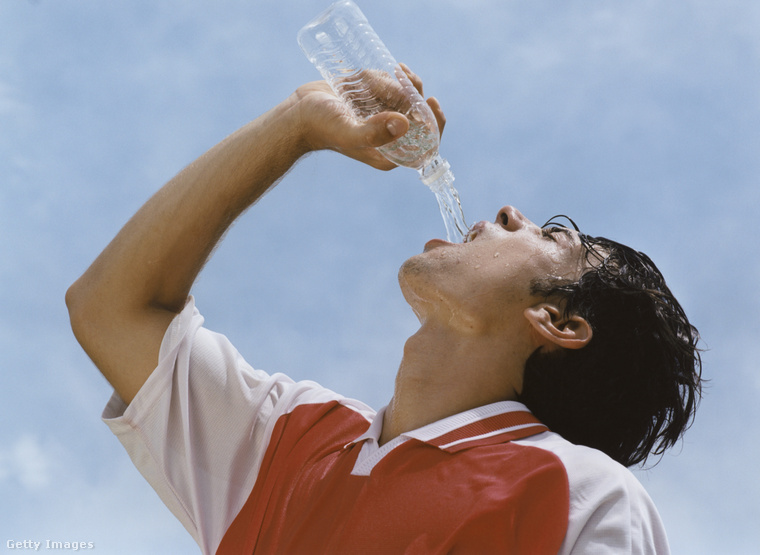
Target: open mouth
<point>473,232</point>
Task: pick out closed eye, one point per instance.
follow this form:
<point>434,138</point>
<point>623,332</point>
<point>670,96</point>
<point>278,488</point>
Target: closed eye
<point>549,231</point>
<point>552,226</point>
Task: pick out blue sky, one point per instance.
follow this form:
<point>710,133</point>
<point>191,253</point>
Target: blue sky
<point>641,120</point>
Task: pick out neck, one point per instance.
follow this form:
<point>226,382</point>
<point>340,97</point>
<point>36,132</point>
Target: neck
<point>444,372</point>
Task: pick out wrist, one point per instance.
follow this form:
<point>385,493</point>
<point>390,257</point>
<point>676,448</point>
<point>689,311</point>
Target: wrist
<point>319,115</point>
<point>295,125</point>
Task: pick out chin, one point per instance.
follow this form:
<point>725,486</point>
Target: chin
<point>417,268</point>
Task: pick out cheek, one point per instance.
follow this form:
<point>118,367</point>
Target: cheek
<point>503,280</point>
<point>492,286</point>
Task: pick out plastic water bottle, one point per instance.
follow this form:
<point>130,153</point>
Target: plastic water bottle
<point>357,65</point>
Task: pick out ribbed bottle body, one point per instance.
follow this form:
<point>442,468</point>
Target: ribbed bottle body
<point>357,65</point>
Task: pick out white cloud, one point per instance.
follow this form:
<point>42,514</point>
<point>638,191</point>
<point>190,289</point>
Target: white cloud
<point>27,462</point>
<point>71,498</point>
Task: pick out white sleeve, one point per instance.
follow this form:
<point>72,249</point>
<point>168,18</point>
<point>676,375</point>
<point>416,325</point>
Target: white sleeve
<point>610,511</point>
<point>199,427</point>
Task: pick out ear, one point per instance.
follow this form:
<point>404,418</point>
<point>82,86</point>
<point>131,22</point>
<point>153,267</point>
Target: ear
<point>556,330</point>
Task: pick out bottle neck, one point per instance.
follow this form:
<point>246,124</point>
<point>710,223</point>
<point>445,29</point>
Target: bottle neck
<point>437,174</point>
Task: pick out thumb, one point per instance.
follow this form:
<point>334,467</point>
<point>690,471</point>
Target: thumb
<point>384,127</point>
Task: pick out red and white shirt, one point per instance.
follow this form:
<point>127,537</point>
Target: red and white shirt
<point>250,462</point>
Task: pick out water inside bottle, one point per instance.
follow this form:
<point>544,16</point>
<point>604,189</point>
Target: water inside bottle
<point>414,148</point>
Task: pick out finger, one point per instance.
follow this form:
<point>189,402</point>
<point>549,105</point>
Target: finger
<point>369,156</point>
<point>413,77</point>
<point>380,162</point>
<point>435,106</point>
<point>383,128</point>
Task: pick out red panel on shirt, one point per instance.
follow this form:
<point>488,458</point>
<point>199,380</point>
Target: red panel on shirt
<point>491,497</point>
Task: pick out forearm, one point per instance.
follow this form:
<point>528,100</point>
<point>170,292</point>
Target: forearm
<point>156,257</point>
<point>137,284</point>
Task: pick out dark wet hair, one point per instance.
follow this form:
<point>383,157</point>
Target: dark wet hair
<point>634,389</point>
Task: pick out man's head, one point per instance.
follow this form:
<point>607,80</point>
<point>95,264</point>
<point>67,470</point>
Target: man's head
<point>634,388</point>
<point>595,343</point>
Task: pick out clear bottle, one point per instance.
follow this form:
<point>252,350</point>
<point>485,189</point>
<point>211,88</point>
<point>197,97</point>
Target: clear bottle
<point>357,65</point>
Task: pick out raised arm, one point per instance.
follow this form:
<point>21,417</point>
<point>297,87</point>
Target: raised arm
<point>121,306</point>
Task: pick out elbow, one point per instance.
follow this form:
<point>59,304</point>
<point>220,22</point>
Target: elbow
<point>73,305</point>
<point>87,317</point>
<point>72,294</point>
<point>80,317</point>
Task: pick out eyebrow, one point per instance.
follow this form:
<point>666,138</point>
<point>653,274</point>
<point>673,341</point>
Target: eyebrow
<point>580,238</point>
<point>572,237</point>
<point>560,226</point>
<point>552,222</point>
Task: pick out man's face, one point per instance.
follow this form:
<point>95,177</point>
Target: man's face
<point>485,282</point>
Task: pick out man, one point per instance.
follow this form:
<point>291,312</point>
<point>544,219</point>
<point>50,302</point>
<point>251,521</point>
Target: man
<point>456,463</point>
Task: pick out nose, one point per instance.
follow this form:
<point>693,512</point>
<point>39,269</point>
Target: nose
<point>511,219</point>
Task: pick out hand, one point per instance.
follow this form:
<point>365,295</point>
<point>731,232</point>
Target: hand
<point>326,123</point>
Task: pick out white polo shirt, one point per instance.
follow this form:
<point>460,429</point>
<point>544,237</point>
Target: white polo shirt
<point>250,462</point>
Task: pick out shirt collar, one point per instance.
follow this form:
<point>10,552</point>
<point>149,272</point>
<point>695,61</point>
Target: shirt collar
<point>375,429</point>
<point>495,423</point>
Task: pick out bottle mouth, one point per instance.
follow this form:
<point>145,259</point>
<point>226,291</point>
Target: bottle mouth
<point>436,169</point>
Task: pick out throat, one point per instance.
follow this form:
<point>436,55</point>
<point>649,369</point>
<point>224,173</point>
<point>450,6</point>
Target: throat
<point>443,373</point>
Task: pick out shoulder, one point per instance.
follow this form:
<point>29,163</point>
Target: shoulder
<point>587,468</point>
<point>609,508</point>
